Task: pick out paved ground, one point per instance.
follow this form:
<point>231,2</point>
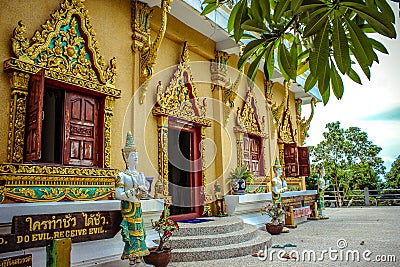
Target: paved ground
<point>356,236</point>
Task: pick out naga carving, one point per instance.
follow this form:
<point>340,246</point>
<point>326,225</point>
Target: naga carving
<point>141,15</point>
<point>303,124</point>
<point>277,111</point>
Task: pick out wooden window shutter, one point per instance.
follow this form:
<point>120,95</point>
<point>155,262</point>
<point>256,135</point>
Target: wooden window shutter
<point>304,161</point>
<point>81,123</point>
<point>33,136</point>
<point>255,156</point>
<point>291,164</point>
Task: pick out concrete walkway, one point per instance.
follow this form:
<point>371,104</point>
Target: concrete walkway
<point>356,236</point>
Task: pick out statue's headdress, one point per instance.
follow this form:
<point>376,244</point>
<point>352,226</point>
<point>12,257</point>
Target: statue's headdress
<point>277,164</point>
<point>129,146</point>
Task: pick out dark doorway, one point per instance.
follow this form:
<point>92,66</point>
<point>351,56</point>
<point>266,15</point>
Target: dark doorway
<point>184,176</point>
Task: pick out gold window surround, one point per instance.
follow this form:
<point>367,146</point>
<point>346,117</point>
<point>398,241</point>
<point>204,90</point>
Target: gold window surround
<point>69,53</point>
<point>249,122</point>
<point>179,100</point>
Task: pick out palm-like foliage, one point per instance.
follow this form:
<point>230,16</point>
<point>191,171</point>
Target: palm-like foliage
<point>321,38</point>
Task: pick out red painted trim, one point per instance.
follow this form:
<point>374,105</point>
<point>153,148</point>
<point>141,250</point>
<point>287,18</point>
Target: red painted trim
<point>195,157</point>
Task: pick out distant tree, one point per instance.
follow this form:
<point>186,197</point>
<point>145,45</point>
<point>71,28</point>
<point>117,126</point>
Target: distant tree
<point>393,176</point>
<point>351,161</point>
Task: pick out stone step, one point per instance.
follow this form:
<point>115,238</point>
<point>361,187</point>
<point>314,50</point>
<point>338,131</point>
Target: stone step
<point>249,247</point>
<point>247,233</point>
<point>218,225</point>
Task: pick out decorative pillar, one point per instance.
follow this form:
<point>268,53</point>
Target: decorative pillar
<point>108,114</point>
<point>240,148</point>
<point>281,147</point>
<point>162,129</point>
<point>19,93</point>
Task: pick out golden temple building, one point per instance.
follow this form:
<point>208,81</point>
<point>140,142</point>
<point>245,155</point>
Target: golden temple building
<point>78,75</point>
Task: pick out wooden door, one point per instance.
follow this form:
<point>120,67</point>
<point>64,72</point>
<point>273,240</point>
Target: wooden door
<point>80,134</point>
<point>184,171</point>
<point>291,165</point>
<point>34,117</point>
<point>304,161</point>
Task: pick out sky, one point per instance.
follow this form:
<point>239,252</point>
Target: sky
<point>374,106</point>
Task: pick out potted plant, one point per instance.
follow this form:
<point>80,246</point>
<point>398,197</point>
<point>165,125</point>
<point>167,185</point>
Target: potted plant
<point>161,255</point>
<point>238,178</point>
<point>276,212</point>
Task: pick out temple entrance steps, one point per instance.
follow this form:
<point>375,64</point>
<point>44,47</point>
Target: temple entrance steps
<point>221,238</point>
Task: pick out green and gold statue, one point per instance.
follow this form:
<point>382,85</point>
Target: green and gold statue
<point>131,186</point>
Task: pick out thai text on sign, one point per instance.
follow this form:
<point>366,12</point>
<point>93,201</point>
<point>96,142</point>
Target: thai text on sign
<point>17,261</point>
<point>38,230</point>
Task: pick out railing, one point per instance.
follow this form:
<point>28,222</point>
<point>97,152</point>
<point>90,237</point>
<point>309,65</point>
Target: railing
<point>363,197</point>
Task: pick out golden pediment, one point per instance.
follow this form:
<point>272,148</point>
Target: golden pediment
<point>180,97</point>
<point>248,119</point>
<point>66,45</point>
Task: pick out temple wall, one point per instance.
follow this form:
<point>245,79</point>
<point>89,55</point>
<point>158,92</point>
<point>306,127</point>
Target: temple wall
<point>111,21</point>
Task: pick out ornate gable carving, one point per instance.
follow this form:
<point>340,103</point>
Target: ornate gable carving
<point>248,119</point>
<point>180,97</point>
<point>66,45</point>
<point>286,132</point>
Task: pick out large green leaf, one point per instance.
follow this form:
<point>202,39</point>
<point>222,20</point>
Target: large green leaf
<point>354,76</point>
<point>310,6</point>
<point>319,57</point>
<point>317,21</point>
<point>249,50</point>
<point>256,10</point>
<point>237,29</point>
<point>266,9</point>
<point>282,69</point>
<point>295,5</point>
<point>336,82</point>
<point>386,10</point>
<point>323,83</point>
<point>340,45</point>
<point>362,47</point>
<point>254,25</point>
<point>310,82</point>
<point>232,17</point>
<point>303,66</point>
<point>294,51</point>
<point>280,8</point>
<point>252,71</point>
<point>286,61</point>
<point>378,46</point>
<point>377,20</point>
<point>269,63</point>
<point>209,8</point>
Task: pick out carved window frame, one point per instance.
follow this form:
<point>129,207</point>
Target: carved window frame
<point>249,124</point>
<point>84,68</point>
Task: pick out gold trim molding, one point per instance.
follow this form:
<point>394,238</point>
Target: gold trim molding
<point>36,183</point>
